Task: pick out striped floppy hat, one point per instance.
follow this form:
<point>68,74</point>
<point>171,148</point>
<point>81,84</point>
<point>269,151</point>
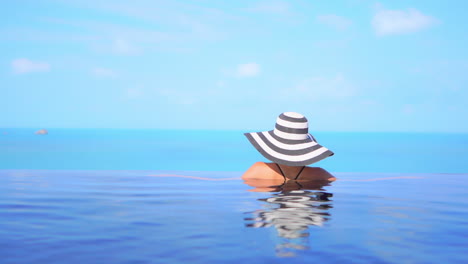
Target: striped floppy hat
<point>290,142</point>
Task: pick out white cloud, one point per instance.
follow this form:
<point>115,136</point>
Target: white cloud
<point>22,65</point>
<point>335,21</point>
<point>392,22</point>
<point>174,26</point>
<point>221,84</point>
<point>408,109</point>
<point>132,93</point>
<point>318,88</point>
<point>170,25</point>
<point>124,47</point>
<point>103,72</point>
<point>272,7</point>
<point>179,97</point>
<point>248,69</point>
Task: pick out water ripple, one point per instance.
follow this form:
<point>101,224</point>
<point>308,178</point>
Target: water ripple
<point>103,217</point>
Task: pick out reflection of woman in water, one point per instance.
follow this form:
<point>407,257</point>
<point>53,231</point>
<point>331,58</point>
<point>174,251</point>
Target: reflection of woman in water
<point>291,148</point>
<point>295,207</point>
<point>291,212</point>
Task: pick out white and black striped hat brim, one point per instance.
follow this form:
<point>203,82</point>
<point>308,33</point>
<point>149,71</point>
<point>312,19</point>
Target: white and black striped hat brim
<point>290,142</point>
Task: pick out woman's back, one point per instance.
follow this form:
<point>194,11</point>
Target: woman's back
<point>274,171</point>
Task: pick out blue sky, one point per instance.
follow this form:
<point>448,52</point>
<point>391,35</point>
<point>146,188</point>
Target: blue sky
<point>351,65</point>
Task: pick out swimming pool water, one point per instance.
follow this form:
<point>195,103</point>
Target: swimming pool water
<point>65,216</point>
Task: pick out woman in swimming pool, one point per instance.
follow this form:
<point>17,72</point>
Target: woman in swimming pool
<point>291,148</point>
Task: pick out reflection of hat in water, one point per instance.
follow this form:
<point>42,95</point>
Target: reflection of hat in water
<point>290,142</point>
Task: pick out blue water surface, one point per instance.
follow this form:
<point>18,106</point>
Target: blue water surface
<point>110,196</point>
<point>134,217</point>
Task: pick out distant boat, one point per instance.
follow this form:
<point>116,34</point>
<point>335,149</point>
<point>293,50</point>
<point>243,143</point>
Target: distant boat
<point>41,132</point>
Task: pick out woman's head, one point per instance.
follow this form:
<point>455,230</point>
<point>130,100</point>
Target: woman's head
<point>290,142</point>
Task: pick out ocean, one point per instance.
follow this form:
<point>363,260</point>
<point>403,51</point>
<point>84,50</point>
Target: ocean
<point>198,150</point>
<point>109,196</point>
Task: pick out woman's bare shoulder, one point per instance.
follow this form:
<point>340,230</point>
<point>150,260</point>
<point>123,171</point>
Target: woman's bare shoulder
<point>317,173</point>
<point>261,170</point>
